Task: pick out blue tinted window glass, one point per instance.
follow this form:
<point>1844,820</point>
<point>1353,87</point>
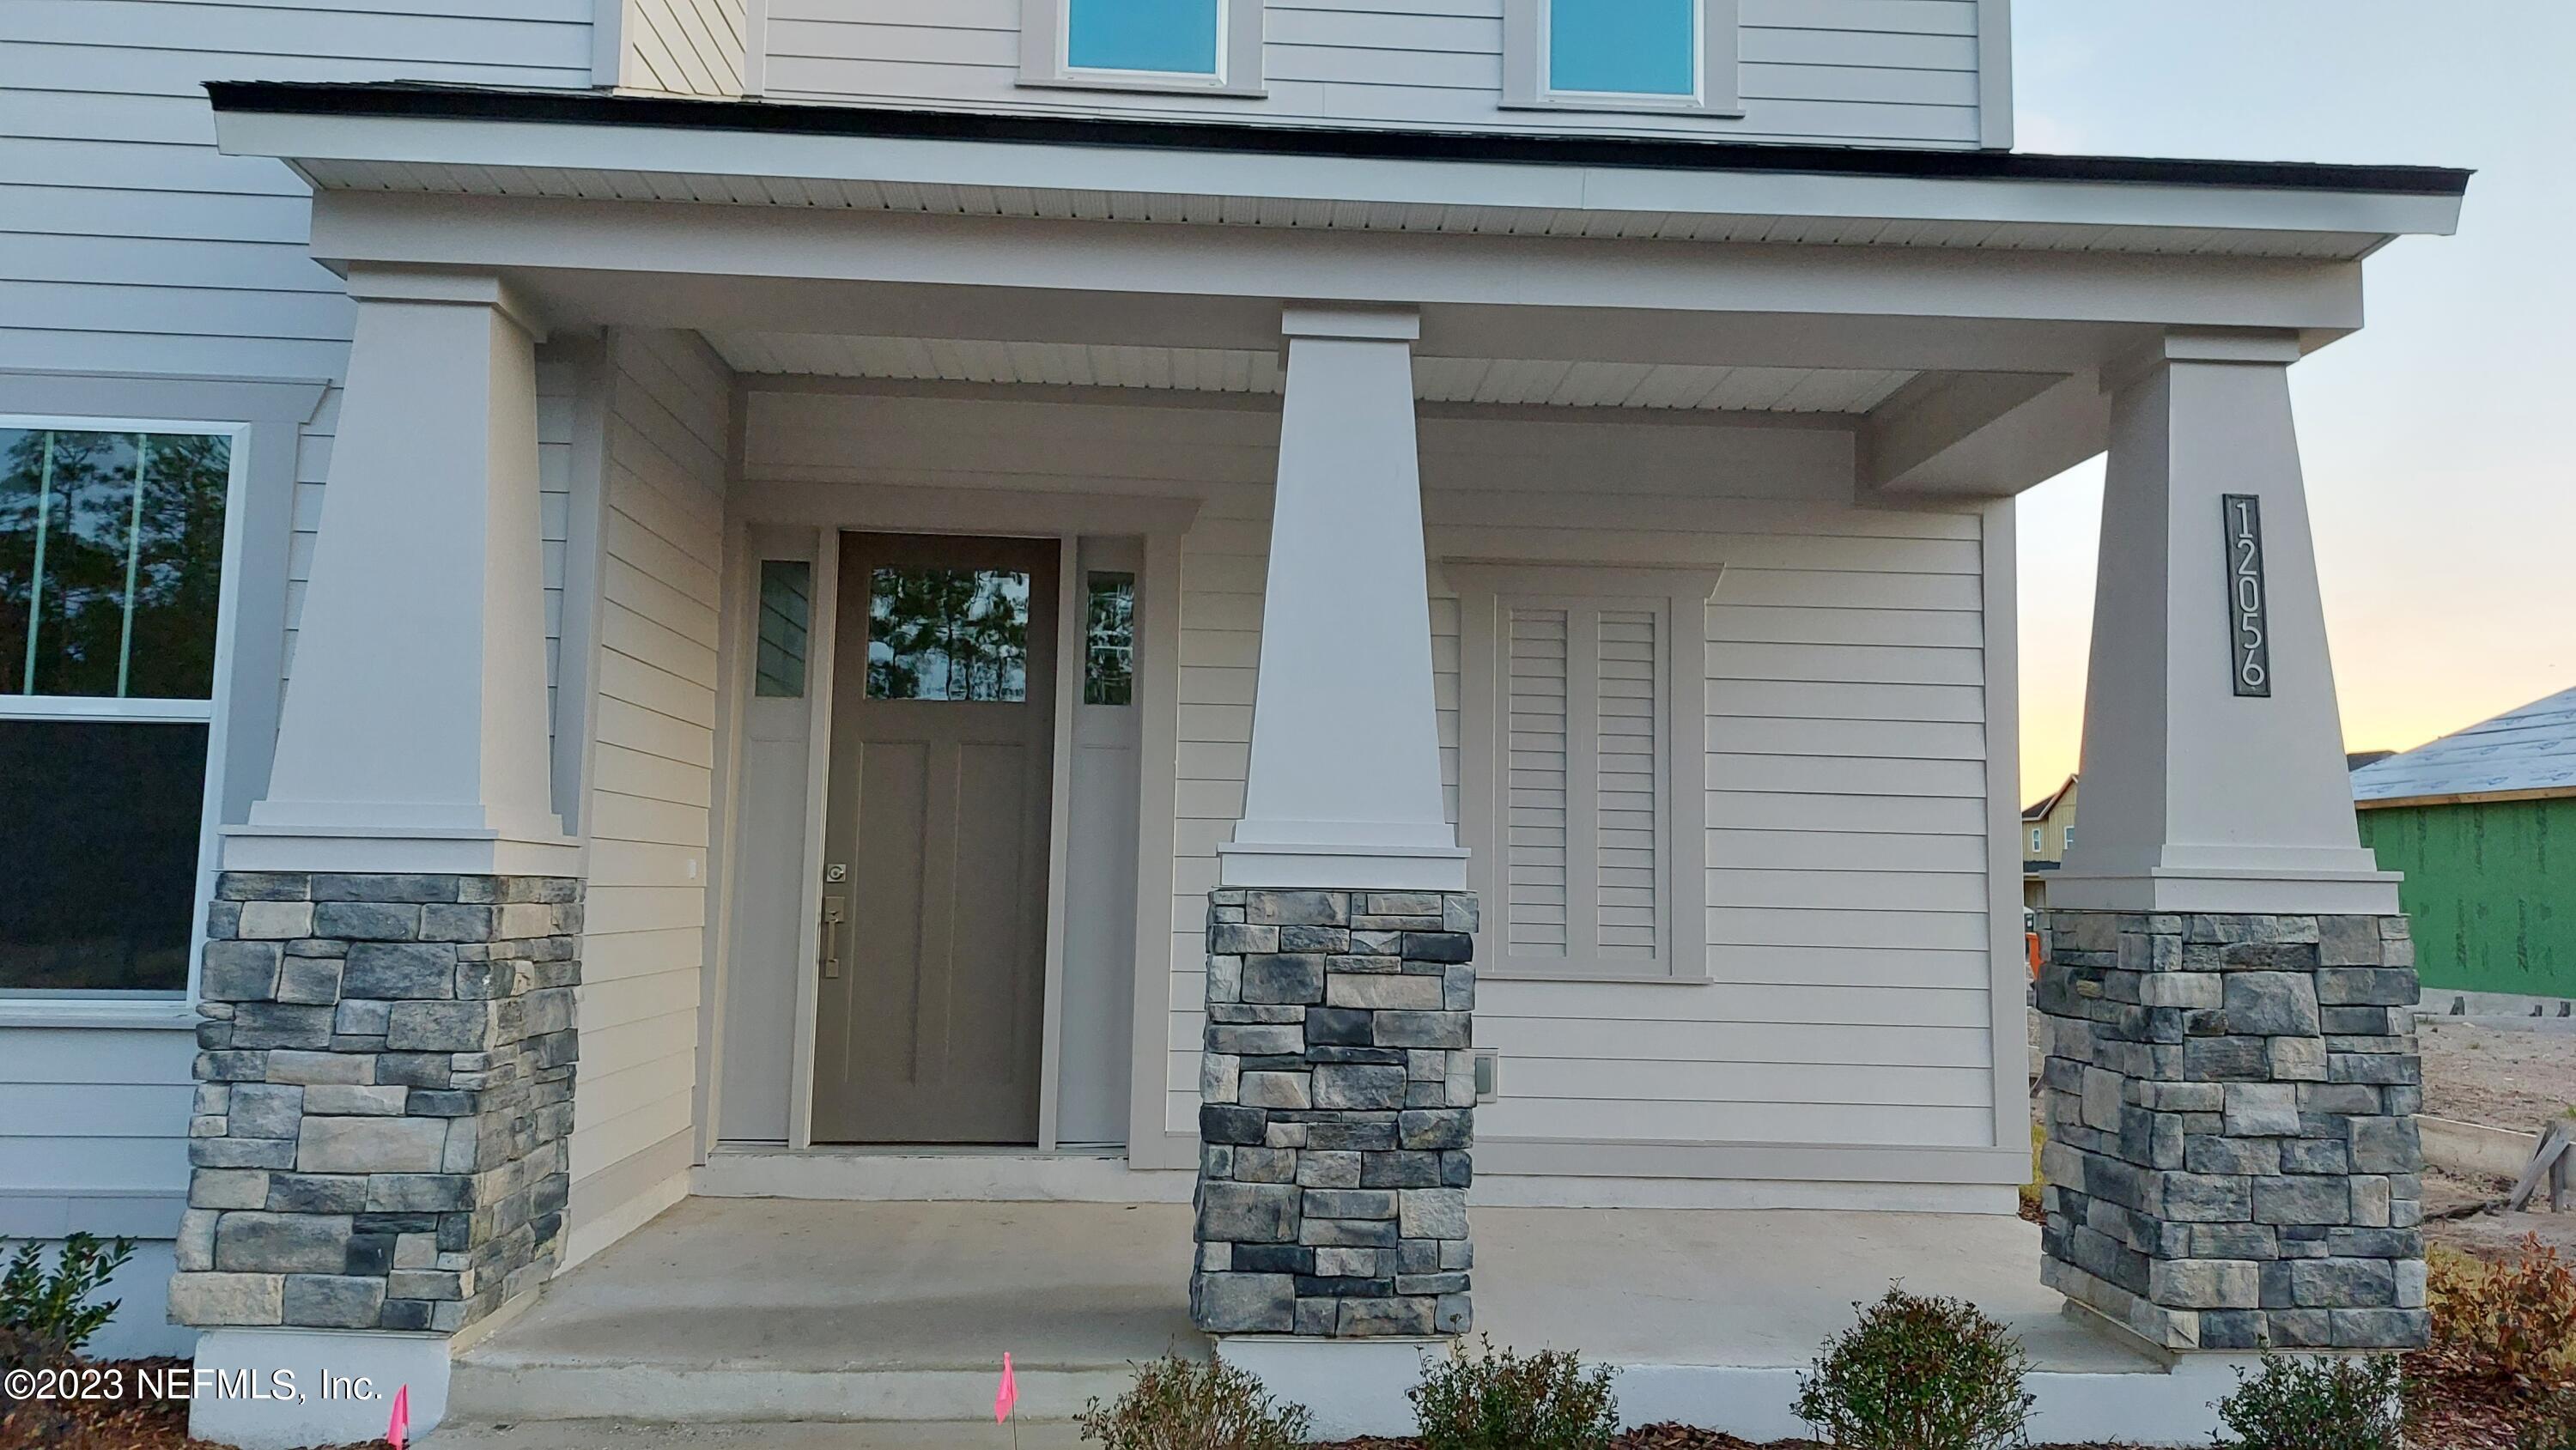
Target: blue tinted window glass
<point>1628,47</point>
<point>1159,35</point>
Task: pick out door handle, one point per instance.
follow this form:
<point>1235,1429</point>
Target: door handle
<point>835,911</point>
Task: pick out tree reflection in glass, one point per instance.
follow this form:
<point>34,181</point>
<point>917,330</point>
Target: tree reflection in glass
<point>948,634</point>
<point>111,555</point>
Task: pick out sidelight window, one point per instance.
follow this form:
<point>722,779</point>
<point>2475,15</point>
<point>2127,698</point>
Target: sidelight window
<point>1109,638</point>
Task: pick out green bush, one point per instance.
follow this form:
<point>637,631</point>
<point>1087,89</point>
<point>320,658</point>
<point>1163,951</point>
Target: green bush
<point>2310,1403</point>
<point>1185,1404</point>
<point>1498,1400</point>
<point>54,1308</point>
<point>1918,1373</point>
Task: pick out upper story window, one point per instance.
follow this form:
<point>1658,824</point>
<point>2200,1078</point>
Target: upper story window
<point>1620,55</point>
<point>1208,46</point>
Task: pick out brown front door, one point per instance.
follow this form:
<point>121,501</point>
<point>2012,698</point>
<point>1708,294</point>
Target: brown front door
<point>943,725</point>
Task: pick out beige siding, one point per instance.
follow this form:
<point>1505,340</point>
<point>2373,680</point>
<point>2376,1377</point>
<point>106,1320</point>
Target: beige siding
<point>661,532</point>
<point>1846,928</point>
<point>1902,71</point>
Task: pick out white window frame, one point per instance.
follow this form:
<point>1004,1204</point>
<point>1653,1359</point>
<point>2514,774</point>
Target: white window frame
<point>119,1007</point>
<point>1679,598</point>
<point>2038,839</point>
<point>1525,66</point>
<point>1046,28</point>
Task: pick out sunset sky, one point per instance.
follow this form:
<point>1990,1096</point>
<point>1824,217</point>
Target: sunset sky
<point>2443,495</point>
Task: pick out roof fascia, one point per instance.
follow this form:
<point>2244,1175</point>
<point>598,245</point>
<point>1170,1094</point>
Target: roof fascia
<point>521,145</point>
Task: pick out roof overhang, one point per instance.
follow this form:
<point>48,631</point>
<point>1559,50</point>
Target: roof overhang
<point>594,145</point>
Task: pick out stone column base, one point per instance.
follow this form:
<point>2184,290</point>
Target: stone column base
<point>384,1097</point>
<point>1337,1115</point>
<point>2232,1160</point>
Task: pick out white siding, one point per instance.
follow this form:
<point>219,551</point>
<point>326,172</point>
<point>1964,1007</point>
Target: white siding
<point>1846,927</point>
<point>651,772</point>
<point>1900,71</point>
<point>687,47</point>
<point>128,245</point>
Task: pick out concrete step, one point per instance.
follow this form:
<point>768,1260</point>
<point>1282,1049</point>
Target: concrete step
<point>507,1389</point>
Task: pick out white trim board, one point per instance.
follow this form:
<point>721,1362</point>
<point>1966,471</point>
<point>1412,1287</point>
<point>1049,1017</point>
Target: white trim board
<point>1047,172</point>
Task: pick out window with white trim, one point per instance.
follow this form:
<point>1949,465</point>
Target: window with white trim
<point>113,541</point>
<point>1583,766</point>
<point>2038,839</point>
<point>1621,55</point>
<point>1150,45</point>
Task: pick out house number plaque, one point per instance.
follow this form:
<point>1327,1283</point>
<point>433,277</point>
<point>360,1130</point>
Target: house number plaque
<point>2249,619</point>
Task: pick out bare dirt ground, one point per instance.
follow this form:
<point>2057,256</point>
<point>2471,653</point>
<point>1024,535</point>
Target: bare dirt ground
<point>2503,1079</point>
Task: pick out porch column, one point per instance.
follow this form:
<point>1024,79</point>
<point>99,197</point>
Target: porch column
<point>1338,1090</point>
<point>385,1074</point>
<point>2232,1078</point>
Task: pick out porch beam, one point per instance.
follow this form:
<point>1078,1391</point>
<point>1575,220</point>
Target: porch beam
<point>1981,434</point>
<point>1380,268</point>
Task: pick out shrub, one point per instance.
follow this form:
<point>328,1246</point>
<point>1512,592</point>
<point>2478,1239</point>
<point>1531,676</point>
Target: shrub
<point>2512,1325</point>
<point>2306,1403</point>
<point>1499,1400</point>
<point>1186,1404</point>
<point>2551,1427</point>
<point>1918,1373</point>
<point>54,1308</point>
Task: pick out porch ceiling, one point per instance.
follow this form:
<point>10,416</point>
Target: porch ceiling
<point>1516,381</point>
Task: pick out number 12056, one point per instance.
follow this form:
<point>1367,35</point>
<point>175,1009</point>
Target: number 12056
<point>2249,622</point>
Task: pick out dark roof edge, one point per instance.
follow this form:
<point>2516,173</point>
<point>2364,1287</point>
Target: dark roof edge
<point>595,108</point>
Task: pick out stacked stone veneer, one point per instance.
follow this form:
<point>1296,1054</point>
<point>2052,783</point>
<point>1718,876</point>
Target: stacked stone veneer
<point>1338,1114</point>
<point>385,1090</point>
<point>2232,1158</point>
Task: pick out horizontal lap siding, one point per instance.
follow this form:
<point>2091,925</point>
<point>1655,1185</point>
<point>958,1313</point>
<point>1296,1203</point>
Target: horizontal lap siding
<point>1839,70</point>
<point>652,763</point>
<point>128,245</point>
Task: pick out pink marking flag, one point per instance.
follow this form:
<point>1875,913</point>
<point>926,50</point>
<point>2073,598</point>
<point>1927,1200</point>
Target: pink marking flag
<point>398,1428</point>
<point>1005,1397</point>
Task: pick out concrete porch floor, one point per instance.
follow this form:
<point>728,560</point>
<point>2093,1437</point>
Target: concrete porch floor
<point>727,1311</point>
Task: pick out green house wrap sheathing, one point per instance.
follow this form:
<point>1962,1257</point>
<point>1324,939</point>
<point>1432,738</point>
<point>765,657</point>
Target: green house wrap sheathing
<point>2491,886</point>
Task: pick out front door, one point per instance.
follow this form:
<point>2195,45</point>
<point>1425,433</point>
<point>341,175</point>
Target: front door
<point>943,729</point>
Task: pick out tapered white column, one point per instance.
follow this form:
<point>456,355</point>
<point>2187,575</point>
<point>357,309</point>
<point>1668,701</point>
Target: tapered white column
<point>2213,763</point>
<point>414,732</point>
<point>1344,784</point>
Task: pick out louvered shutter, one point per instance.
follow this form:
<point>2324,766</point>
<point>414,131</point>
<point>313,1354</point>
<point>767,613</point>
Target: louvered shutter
<point>1581,769</point>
